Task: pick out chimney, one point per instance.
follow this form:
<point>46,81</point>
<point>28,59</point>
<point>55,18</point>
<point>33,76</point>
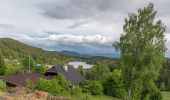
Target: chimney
<point>65,67</point>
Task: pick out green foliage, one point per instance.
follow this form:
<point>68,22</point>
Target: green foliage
<point>41,69</point>
<point>113,84</point>
<point>12,68</point>
<point>28,62</point>
<point>164,78</point>
<point>142,48</point>
<point>162,87</point>
<point>48,86</point>
<point>30,85</point>
<point>3,87</point>
<point>98,71</point>
<point>76,91</point>
<point>56,86</point>
<point>93,87</point>
<point>2,64</point>
<point>156,96</point>
<point>60,79</point>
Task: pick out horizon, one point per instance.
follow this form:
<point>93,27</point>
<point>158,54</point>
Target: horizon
<point>58,25</point>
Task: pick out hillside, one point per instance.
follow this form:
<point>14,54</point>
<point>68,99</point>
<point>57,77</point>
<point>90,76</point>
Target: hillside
<point>13,49</point>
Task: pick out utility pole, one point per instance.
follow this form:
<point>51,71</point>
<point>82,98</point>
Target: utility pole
<point>29,63</point>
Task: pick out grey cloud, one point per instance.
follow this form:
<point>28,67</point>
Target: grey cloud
<point>102,11</point>
<point>77,9</point>
<point>7,26</point>
<point>77,24</point>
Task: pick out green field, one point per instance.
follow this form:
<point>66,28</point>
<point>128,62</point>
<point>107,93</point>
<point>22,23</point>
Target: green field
<point>166,95</point>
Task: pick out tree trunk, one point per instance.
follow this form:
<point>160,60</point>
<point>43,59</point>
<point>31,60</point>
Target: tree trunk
<point>129,94</point>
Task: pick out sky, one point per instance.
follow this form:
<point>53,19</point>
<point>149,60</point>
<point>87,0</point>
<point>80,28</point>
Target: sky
<point>84,26</point>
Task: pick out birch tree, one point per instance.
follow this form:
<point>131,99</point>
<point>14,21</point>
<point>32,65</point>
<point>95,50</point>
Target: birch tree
<point>142,48</point>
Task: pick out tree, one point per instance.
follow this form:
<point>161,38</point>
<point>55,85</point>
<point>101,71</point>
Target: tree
<point>2,64</point>
<point>81,70</point>
<point>28,64</point>
<point>98,71</point>
<point>142,47</point>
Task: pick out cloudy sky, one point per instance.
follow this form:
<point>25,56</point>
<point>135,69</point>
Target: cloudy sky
<point>85,26</point>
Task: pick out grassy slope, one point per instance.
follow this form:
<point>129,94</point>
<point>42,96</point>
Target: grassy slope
<point>166,95</point>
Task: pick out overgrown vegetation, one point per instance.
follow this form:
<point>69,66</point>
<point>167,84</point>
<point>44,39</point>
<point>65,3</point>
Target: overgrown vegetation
<point>3,87</point>
<point>57,86</point>
<point>93,87</point>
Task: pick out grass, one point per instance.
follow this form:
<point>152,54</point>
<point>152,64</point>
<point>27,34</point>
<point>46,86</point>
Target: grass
<point>84,96</point>
<point>166,95</point>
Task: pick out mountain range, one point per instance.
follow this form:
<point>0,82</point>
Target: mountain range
<point>73,53</point>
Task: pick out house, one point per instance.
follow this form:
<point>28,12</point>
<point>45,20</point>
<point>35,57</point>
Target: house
<point>20,79</point>
<point>68,71</point>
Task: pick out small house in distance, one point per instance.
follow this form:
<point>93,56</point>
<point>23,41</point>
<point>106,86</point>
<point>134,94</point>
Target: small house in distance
<point>68,71</point>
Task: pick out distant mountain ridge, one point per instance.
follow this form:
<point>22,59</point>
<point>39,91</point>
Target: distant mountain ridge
<point>73,53</point>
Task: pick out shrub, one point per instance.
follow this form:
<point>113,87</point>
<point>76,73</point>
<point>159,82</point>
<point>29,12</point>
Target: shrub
<point>48,86</point>
<point>76,91</point>
<point>3,87</point>
<point>113,85</point>
<point>30,85</point>
<point>56,86</point>
<point>156,96</point>
<point>60,79</point>
<point>93,87</point>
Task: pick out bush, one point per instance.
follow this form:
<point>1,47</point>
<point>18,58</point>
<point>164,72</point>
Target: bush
<point>3,87</point>
<point>55,86</point>
<point>76,91</point>
<point>30,85</point>
<point>48,86</point>
<point>113,85</point>
<point>156,96</point>
<point>60,79</point>
<point>93,87</point>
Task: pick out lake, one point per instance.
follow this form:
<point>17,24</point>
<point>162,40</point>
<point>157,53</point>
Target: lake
<point>76,64</point>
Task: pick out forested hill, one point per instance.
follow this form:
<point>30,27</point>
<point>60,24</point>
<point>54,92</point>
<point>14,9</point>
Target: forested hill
<point>13,49</point>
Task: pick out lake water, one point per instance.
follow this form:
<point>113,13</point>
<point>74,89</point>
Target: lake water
<point>76,64</point>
